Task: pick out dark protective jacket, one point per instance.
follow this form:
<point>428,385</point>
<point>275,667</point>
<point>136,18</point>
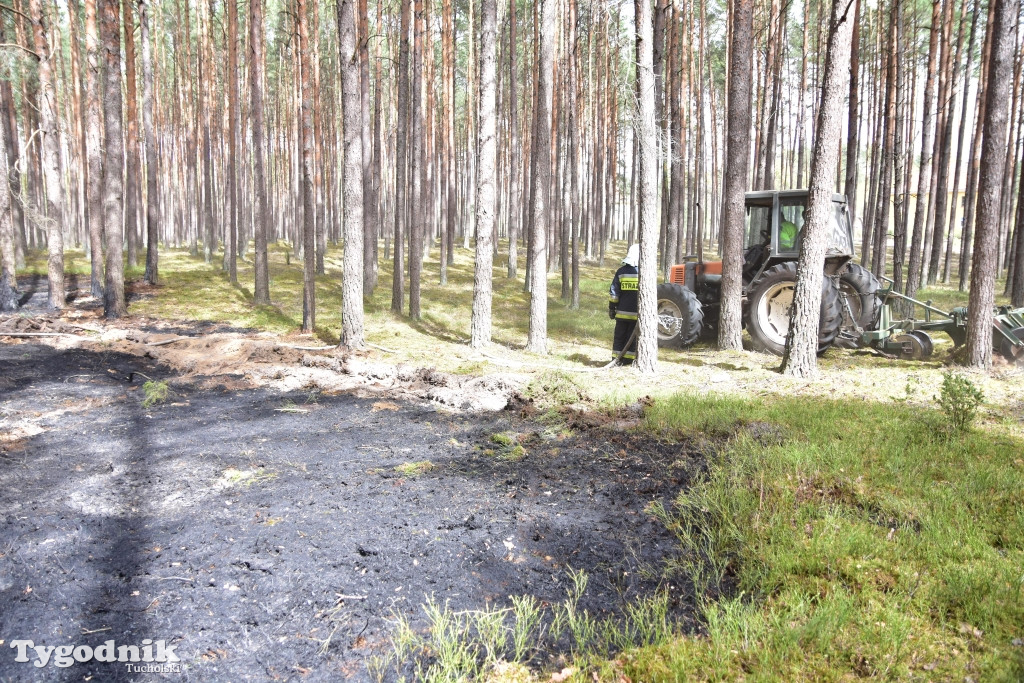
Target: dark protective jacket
<point>623,292</point>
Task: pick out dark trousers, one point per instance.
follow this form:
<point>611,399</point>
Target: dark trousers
<point>623,330</point>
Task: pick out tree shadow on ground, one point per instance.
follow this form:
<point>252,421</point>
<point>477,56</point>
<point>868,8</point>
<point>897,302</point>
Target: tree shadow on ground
<point>81,548</point>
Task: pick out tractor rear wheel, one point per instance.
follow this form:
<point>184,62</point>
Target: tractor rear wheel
<point>768,310</point>
<point>858,288</point>
<point>679,316</point>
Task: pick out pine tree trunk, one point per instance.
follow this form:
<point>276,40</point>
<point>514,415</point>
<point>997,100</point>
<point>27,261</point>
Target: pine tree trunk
<point>32,164</point>
<point>152,165</point>
<point>418,161</point>
<point>1017,281</point>
<point>973,164</point>
<point>114,305</point>
<point>1016,137</point>
<point>967,221</point>
<point>75,119</point>
<point>983,275</point>
<point>94,147</point>
<point>306,147</point>
<point>871,203</point>
<point>768,180</point>
<point>853,121</point>
<point>369,188</point>
<point>480,327</point>
<point>662,141</point>
<point>670,176</point>
<point>469,200</point>
<point>563,182</point>
<point>675,229</point>
<point>531,200</point>
<point>899,236</point>
<point>925,167</point>
<point>190,147</point>
<point>8,283</point>
<point>737,164</point>
<point>802,108</point>
<point>574,111</point>
<point>49,127</point>
<point>205,114</point>
<point>515,153</point>
<point>646,131</point>
<point>451,180</point>
<point>317,175</point>
<point>887,153</point>
<point>354,174</point>
<point>261,286</point>
<point>8,119</point>
<point>447,167</point>
<point>134,166</point>
<point>801,355</point>
<point>540,180</point>
<point>232,165</point>
<point>401,162</point>
<point>378,162</point>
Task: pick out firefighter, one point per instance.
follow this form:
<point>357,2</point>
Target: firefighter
<point>622,304</point>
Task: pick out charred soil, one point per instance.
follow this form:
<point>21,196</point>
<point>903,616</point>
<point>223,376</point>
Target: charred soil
<point>271,535</point>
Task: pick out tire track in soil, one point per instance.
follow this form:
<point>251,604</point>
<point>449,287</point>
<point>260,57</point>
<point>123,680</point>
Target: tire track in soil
<point>229,527</point>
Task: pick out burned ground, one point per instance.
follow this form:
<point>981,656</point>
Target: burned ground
<point>271,536</point>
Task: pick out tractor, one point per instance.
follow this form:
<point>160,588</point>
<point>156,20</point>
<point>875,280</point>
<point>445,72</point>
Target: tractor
<point>850,303</point>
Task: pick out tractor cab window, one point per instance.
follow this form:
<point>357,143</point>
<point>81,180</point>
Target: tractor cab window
<point>759,226</point>
<point>839,231</point>
<point>790,225</point>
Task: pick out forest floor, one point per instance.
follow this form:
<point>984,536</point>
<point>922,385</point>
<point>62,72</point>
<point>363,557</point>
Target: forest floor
<point>276,511</point>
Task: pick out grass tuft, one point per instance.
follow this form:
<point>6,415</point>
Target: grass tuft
<point>501,644</point>
<point>414,469</point>
<point>507,446</point>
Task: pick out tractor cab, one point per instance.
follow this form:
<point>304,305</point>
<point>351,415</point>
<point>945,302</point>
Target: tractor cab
<point>775,228</point>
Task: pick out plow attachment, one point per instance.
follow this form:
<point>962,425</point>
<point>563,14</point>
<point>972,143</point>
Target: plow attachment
<point>909,337</point>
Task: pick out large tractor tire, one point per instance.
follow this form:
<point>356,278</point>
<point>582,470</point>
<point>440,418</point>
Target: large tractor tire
<point>679,316</point>
<point>859,287</point>
<point>768,310</point>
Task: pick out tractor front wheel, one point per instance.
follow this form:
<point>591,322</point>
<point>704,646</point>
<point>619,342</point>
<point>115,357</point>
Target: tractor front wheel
<point>768,310</point>
<point>679,316</point>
